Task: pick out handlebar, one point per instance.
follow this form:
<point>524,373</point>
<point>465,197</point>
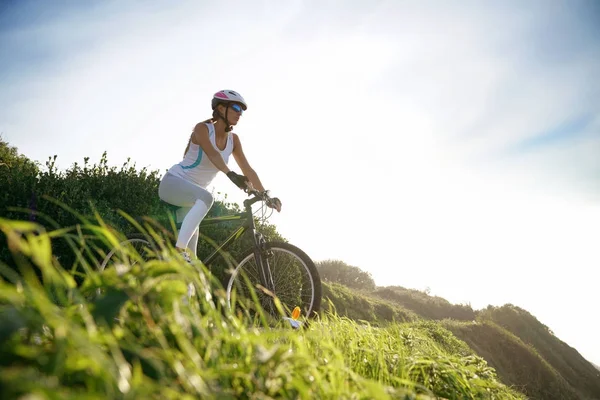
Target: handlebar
<point>257,196</point>
<point>271,202</point>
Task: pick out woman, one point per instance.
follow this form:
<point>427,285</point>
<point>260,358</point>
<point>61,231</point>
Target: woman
<point>207,153</point>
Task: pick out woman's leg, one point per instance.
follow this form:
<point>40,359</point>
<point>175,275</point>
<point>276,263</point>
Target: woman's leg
<point>189,227</point>
<point>180,192</point>
<point>193,244</point>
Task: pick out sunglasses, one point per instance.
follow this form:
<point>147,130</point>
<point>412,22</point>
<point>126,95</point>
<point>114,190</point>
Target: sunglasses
<point>237,108</point>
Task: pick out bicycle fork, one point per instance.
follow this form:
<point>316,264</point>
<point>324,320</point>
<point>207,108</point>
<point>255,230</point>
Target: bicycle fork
<point>262,261</point>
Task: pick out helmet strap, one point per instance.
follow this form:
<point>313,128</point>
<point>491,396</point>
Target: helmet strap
<point>229,127</point>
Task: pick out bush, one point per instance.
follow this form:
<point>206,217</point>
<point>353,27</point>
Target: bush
<point>337,271</point>
<point>60,199</point>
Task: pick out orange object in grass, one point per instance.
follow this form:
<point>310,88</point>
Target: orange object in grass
<point>296,313</point>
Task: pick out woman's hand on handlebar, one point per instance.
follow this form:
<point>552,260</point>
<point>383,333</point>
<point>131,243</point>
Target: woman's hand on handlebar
<point>250,189</point>
<point>239,180</point>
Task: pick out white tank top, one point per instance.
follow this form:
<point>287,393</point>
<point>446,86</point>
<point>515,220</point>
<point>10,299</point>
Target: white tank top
<point>196,166</point>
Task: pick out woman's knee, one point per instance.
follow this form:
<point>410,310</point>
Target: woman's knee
<point>206,198</point>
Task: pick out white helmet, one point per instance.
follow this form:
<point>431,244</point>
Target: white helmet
<point>228,96</point>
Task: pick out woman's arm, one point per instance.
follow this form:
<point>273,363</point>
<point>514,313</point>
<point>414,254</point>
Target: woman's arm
<point>201,138</point>
<point>240,159</point>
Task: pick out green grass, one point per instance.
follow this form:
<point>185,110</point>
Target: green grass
<point>575,372</point>
<point>142,338</point>
<point>524,353</point>
<point>514,361</point>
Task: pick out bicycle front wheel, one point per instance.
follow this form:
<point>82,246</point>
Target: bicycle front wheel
<point>291,275</point>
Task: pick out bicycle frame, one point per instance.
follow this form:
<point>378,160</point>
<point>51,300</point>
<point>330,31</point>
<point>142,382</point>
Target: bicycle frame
<point>239,232</point>
<point>248,226</point>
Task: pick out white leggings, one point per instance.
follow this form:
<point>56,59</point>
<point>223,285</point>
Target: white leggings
<point>194,200</point>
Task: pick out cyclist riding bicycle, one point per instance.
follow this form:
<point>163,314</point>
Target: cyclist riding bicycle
<point>207,152</point>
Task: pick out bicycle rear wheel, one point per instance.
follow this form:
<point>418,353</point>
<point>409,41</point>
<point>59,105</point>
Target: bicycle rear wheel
<point>127,251</point>
<point>293,276</point>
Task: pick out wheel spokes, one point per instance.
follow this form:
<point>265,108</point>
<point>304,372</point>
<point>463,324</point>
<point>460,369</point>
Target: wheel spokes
<point>288,278</point>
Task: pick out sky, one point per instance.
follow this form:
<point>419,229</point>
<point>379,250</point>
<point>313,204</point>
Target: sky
<point>449,146</point>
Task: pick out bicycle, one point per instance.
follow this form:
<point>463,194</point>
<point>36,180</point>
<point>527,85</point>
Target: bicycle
<point>268,264</point>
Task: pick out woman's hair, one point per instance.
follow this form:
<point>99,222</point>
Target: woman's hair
<point>214,118</point>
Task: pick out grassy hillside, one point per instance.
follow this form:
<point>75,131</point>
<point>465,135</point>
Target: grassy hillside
<point>143,338</point>
<point>345,302</point>
<point>57,339</point>
<point>516,363</point>
<point>524,352</point>
<point>577,371</point>
<point>430,307</point>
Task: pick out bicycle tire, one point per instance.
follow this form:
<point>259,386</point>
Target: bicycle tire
<point>137,240</point>
<point>310,281</point>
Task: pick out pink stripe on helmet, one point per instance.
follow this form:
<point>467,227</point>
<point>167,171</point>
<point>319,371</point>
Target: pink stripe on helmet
<point>221,95</point>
